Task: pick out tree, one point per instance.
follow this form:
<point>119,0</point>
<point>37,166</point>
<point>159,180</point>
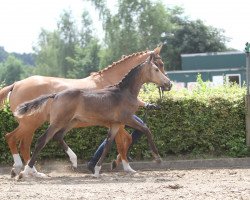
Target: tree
<point>10,70</point>
<point>55,47</point>
<point>69,39</point>
<point>48,54</point>
<point>3,54</point>
<point>68,52</point>
<point>86,58</point>
<point>86,32</point>
<point>191,37</point>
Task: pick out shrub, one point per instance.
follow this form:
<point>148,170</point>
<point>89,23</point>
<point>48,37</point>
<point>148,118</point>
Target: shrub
<point>206,121</point>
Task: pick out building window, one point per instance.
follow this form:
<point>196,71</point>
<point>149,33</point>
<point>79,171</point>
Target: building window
<point>233,78</point>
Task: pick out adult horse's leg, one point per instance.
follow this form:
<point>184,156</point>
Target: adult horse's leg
<point>23,134</point>
<point>110,138</point>
<point>12,143</point>
<point>25,139</point>
<point>123,140</point>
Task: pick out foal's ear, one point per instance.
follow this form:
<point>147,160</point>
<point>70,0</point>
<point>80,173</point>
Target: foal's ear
<point>151,57</point>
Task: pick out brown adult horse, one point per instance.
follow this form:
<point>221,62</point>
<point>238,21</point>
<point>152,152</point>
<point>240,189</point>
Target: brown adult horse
<point>35,86</point>
<point>110,107</point>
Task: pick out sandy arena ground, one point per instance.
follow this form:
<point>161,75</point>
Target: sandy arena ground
<point>63,183</point>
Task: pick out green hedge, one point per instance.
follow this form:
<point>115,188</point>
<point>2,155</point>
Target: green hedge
<point>205,122</point>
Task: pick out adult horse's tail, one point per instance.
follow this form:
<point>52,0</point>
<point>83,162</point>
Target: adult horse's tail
<point>4,93</point>
<point>33,106</point>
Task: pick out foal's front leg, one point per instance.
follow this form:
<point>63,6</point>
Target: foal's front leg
<point>110,138</point>
<point>143,128</point>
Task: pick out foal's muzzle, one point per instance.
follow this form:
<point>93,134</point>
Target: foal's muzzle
<point>167,86</point>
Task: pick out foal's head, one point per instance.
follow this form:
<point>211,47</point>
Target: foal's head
<point>160,64</point>
<point>156,74</point>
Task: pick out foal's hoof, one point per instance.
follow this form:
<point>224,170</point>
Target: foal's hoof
<point>91,167</point>
<point>74,162</point>
<point>40,175</point>
<point>158,160</point>
<point>29,172</point>
<point>113,165</point>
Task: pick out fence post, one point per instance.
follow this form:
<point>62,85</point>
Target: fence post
<point>247,50</point>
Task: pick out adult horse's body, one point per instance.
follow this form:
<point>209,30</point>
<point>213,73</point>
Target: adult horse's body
<point>110,107</point>
<point>35,86</point>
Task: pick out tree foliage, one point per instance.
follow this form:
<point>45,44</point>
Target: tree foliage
<point>10,70</point>
<point>191,37</point>
<point>3,54</point>
<point>75,50</point>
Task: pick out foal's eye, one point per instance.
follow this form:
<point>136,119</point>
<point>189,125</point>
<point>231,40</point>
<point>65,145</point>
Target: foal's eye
<point>156,69</point>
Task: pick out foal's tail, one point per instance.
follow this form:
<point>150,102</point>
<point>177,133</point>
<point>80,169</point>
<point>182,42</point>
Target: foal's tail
<point>4,93</point>
<point>33,106</point>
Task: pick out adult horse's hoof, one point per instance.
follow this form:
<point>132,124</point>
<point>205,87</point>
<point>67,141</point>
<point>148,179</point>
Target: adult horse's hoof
<point>130,170</point>
<point>127,167</point>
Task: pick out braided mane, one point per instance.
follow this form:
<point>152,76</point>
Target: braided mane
<point>123,59</point>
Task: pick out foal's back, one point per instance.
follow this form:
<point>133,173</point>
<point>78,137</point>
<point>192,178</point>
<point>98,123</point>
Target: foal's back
<point>99,107</point>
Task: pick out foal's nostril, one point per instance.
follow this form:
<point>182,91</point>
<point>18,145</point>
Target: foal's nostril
<point>170,84</point>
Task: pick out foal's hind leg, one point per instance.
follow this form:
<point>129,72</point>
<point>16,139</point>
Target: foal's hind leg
<point>66,148</point>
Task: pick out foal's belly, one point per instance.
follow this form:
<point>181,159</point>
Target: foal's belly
<point>95,122</point>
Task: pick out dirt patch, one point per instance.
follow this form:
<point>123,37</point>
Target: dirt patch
<point>64,183</point>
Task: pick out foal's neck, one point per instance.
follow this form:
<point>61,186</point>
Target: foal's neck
<point>134,88</point>
<point>133,81</point>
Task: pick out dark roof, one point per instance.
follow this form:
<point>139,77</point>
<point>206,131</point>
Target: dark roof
<point>213,60</point>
